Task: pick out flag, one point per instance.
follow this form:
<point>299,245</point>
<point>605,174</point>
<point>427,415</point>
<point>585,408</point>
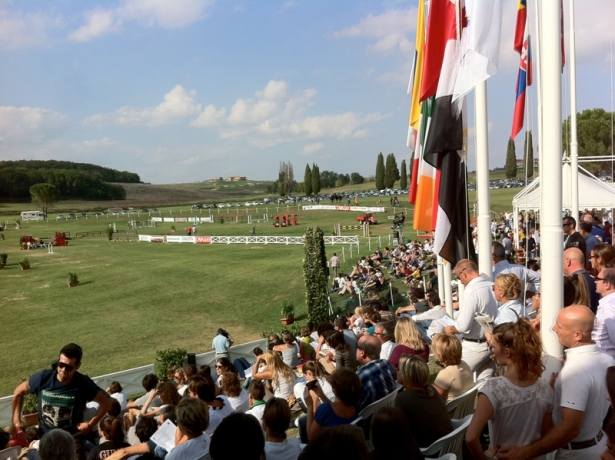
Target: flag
<point>520,26</point>
<point>524,79</point>
<point>444,139</point>
<point>480,46</point>
<point>414,89</point>
<point>424,215</point>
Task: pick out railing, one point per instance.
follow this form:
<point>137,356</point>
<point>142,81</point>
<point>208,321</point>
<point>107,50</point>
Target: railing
<point>288,240</point>
<point>130,379</point>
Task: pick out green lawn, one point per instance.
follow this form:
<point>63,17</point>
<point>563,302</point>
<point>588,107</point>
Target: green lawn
<point>136,298</point>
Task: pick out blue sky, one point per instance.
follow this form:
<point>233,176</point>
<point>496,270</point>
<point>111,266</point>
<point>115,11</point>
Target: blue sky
<point>185,90</point>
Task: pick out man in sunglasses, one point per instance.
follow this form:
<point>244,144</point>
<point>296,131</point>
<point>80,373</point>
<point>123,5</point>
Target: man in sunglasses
<point>62,395</point>
<point>604,326</point>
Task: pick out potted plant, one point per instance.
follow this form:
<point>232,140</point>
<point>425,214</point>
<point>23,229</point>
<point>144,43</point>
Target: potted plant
<point>109,232</point>
<point>288,312</point>
<point>172,228</point>
<point>29,409</point>
<point>24,264</point>
<point>73,279</point>
<point>3,257</point>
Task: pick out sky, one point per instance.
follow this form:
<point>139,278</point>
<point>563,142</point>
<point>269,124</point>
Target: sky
<point>186,90</point>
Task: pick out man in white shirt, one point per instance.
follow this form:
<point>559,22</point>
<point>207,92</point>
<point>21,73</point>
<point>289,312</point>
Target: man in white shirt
<point>385,332</point>
<point>477,299</point>
<point>580,394</point>
<point>503,266</point>
<point>604,326</point>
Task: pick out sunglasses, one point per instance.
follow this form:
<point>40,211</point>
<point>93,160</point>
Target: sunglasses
<point>597,278</point>
<point>218,366</point>
<point>66,367</point>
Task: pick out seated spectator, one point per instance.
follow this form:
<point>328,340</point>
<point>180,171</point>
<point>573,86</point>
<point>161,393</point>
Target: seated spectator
<point>219,406</point>
<point>313,370</point>
<point>507,290</point>
<point>385,333</point>
<point>427,322</point>
<point>237,396</point>
<point>340,353</point>
<point>5,438</point>
<point>149,382</point>
<point>256,399</point>
<point>409,342</point>
<point>57,445</point>
<point>225,445</point>
<point>276,420</point>
<point>377,375</point>
<point>282,376</point>
<point>223,365</point>
<point>144,430</point>
<point>112,429</point>
<point>179,377</point>
<point>168,395</point>
<point>344,441</point>
<point>288,349</point>
<point>347,390</point>
<point>456,378</point>
<point>341,325</point>
<point>189,371</point>
<point>425,410</point>
<point>305,345</point>
<point>274,341</point>
<point>391,436</point>
<point>192,423</point>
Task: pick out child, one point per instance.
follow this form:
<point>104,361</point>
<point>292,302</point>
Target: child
<point>305,348</point>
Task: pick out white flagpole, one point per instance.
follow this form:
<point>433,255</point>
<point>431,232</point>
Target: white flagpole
<point>551,233</point>
<point>574,145</point>
<point>538,80</point>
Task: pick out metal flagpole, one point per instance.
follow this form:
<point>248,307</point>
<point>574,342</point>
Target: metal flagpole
<point>574,145</point>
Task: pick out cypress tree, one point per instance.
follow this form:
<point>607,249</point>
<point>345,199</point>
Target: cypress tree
<point>511,160</point>
<point>403,180</point>
<point>307,180</point>
<point>380,172</point>
<point>315,179</point>
<point>528,154</point>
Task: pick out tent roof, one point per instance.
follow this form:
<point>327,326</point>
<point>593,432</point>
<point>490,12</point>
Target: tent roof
<point>593,193</point>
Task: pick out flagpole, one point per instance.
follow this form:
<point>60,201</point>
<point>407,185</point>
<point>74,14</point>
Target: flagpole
<point>482,180</point>
<point>574,145</point>
<point>538,72</point>
<point>448,288</point>
<point>551,235</point>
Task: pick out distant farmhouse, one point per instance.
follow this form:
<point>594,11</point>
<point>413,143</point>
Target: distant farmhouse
<point>521,163</point>
<point>228,179</point>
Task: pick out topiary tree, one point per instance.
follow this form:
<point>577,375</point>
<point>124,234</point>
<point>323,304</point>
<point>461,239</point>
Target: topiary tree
<point>307,180</point>
<point>511,160</point>
<point>315,274</point>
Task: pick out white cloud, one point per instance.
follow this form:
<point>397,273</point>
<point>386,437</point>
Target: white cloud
<point>30,124</point>
<point>20,30</point>
<point>312,148</point>
<point>147,13</point>
<point>276,115</point>
<point>178,104</point>
<point>393,30</point>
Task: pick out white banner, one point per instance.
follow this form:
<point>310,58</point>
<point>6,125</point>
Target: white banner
<point>330,207</point>
<point>180,239</point>
<point>146,238</point>
<point>156,219</point>
<point>168,219</point>
<point>208,219</point>
<point>157,239</point>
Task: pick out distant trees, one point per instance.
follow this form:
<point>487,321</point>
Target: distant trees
<point>511,160</point>
<point>528,154</point>
<point>316,179</point>
<point>307,180</point>
<point>593,136</point>
<point>403,180</point>
<point>356,178</point>
<point>45,195</point>
<point>391,171</point>
<point>286,178</point>
<point>380,181</point>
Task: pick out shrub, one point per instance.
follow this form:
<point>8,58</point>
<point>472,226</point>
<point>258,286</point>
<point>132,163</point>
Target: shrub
<point>167,358</point>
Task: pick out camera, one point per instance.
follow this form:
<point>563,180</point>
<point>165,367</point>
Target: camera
<point>223,332</point>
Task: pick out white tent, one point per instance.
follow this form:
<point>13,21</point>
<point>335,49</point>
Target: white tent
<point>593,193</point>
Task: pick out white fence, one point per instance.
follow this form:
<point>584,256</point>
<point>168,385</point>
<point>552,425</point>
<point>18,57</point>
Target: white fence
<point>288,240</point>
<point>130,379</point>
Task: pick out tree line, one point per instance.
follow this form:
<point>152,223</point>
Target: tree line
<point>72,180</point>
<point>313,180</point>
<point>388,173</point>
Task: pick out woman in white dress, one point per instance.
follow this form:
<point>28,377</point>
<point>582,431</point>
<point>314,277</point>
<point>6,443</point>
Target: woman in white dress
<point>518,394</point>
<point>282,376</point>
<point>507,291</point>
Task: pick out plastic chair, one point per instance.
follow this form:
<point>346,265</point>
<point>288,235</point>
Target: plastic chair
<point>12,453</point>
<point>374,407</point>
<point>464,404</point>
<point>444,457</point>
<point>452,442</point>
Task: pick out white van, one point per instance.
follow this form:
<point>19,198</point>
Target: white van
<point>32,215</point>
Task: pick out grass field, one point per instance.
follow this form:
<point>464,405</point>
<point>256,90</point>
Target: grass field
<point>137,298</point>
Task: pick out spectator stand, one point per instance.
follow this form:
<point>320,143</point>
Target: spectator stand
<point>130,379</point>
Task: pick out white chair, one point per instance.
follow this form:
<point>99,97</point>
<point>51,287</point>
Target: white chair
<point>12,453</point>
<point>452,442</point>
<point>374,407</point>
<point>444,457</point>
<point>465,403</point>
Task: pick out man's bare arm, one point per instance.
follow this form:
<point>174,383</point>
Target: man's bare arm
<point>18,394</point>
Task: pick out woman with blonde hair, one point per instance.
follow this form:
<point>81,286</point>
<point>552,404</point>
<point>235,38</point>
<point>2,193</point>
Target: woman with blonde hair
<point>282,376</point>
<point>519,393</point>
<point>456,377</point>
<point>425,410</point>
<point>507,290</point>
<point>576,291</point>
<point>409,342</point>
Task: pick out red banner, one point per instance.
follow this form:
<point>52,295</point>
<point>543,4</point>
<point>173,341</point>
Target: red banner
<point>203,240</point>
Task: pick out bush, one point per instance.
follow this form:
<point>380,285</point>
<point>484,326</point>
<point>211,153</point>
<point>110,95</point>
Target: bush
<point>167,358</point>
<point>30,404</point>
